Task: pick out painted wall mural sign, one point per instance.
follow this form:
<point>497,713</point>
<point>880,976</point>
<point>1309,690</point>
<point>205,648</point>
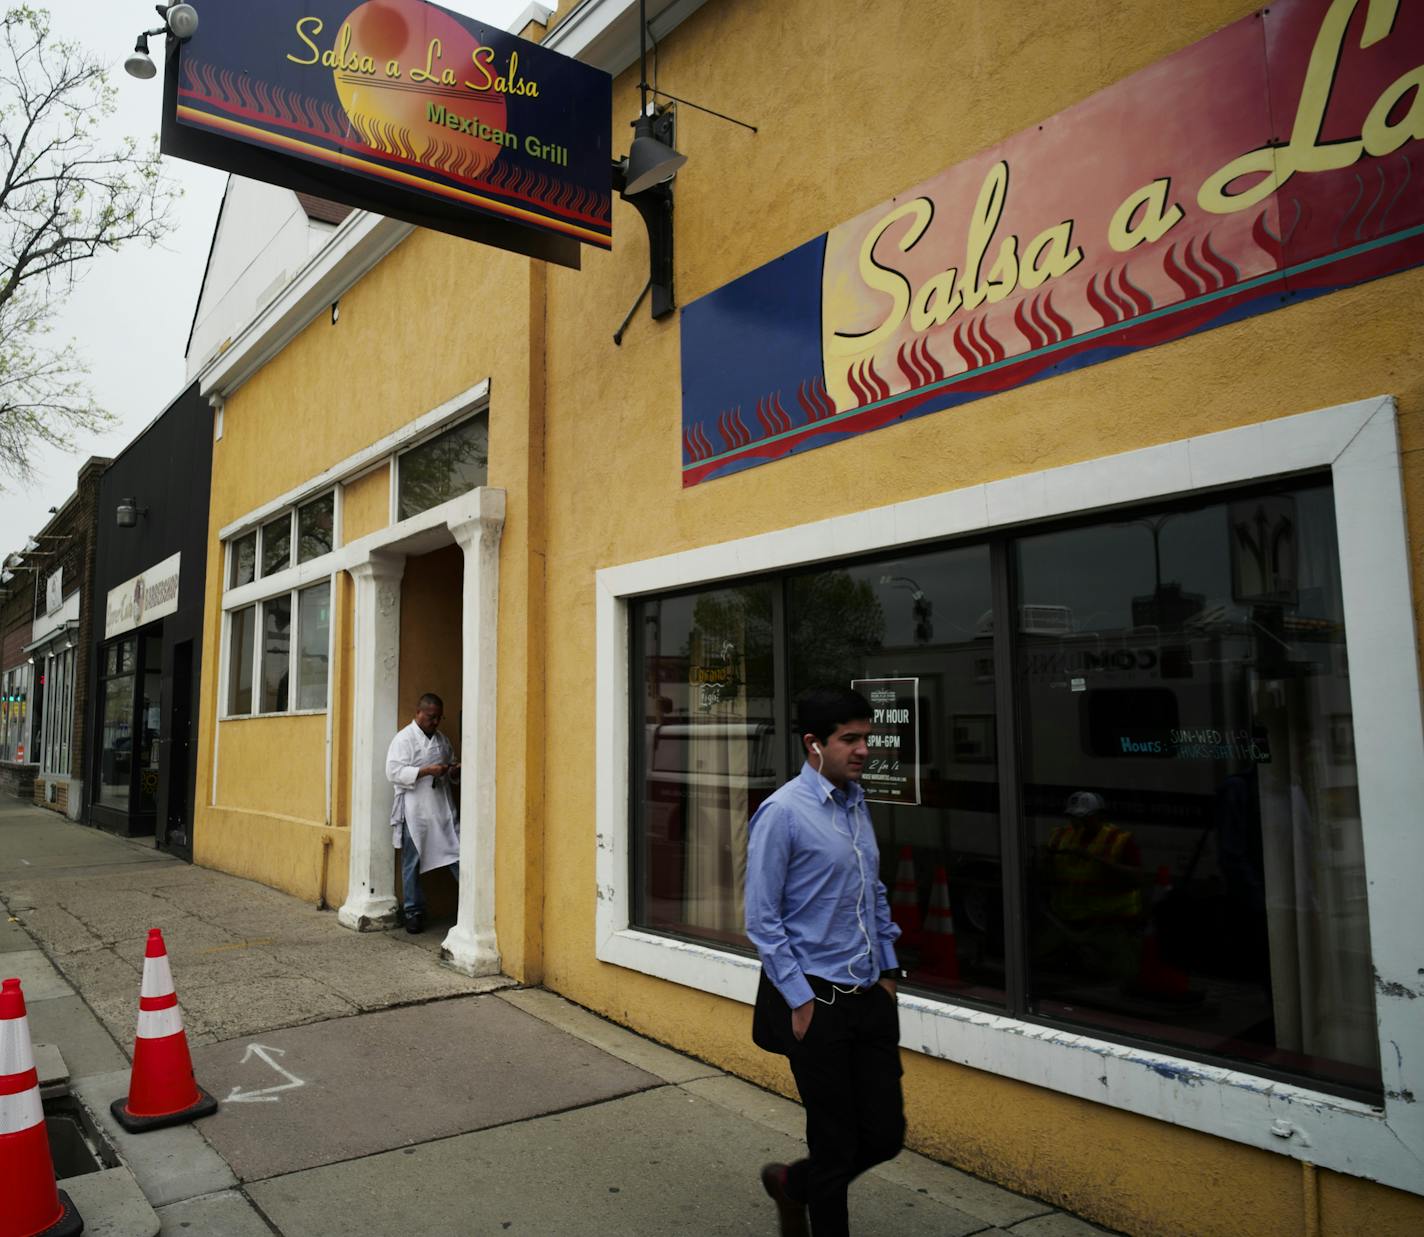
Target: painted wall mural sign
<point>892,767</point>
<point>403,108</point>
<point>1277,159</point>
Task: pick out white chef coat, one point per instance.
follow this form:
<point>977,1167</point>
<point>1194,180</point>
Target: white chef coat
<point>424,803</point>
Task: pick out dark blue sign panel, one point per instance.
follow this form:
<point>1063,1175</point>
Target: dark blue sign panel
<point>404,108</point>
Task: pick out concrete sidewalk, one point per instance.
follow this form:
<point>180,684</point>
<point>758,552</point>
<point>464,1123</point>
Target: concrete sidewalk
<point>365,1087</point>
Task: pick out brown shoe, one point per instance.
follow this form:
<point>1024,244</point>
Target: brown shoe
<point>790,1213</point>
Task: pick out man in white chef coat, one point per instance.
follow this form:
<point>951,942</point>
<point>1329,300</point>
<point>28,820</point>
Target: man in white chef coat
<point>424,826</point>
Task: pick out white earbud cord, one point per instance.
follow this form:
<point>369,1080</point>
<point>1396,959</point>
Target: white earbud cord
<point>852,833</point>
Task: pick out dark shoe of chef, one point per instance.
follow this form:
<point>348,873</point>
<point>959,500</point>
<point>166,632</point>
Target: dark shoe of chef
<point>792,1214</point>
<point>415,923</point>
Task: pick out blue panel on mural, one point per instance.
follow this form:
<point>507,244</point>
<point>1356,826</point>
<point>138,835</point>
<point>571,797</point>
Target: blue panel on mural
<point>747,349</point>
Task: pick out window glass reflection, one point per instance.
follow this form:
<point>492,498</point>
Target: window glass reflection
<point>708,757</point>
<point>314,624</point>
<point>277,545</point>
<point>241,632</point>
<point>315,523</point>
<point>915,635</point>
<point>448,465</point>
<point>276,652</point>
<point>244,560</point>
<point>1195,868</point>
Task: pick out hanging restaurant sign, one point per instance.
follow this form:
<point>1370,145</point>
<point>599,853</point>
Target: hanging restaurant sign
<point>402,108</point>
<point>1275,160</point>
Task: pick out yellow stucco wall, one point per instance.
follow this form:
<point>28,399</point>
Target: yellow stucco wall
<point>584,438</point>
<point>289,423</point>
<point>834,139</point>
<point>366,503</point>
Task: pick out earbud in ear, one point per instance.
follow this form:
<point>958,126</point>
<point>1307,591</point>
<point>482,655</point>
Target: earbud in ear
<point>815,747</point>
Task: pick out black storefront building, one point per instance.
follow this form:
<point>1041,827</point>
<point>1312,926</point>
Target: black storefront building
<point>147,648</point>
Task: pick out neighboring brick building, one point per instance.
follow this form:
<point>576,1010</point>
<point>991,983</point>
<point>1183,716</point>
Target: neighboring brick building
<point>62,563</point>
<point>17,609</point>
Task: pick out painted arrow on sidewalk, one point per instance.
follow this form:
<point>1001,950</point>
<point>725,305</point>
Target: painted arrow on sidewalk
<point>264,1095</point>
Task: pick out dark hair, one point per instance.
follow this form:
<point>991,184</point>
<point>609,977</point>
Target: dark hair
<point>822,709</point>
<point>428,700</point>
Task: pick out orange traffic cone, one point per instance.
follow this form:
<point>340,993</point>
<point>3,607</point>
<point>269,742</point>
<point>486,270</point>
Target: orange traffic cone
<point>33,1206</point>
<point>1155,976</point>
<point>905,900</point>
<point>939,956</point>
<point>162,1089</point>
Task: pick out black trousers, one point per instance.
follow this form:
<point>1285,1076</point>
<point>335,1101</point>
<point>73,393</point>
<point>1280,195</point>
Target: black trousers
<point>847,1070</point>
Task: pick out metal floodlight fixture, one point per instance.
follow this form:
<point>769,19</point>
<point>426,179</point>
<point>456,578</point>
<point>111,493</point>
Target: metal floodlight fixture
<point>181,20</point>
<point>650,162</point>
<point>126,514</point>
<point>139,63</point>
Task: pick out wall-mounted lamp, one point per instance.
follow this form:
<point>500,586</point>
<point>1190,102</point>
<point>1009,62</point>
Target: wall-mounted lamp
<point>126,514</point>
<point>179,20</point>
<point>643,178</point>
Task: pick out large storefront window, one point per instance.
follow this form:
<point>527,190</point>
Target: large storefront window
<point>1186,669</point>
<point>59,711</point>
<point>1131,810</point>
<point>15,713</point>
<point>708,754</point>
<point>116,740</point>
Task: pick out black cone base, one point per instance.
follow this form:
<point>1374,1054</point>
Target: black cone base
<point>205,1106</point>
<point>69,1223</point>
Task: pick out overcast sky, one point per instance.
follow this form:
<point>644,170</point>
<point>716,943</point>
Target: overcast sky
<point>131,311</point>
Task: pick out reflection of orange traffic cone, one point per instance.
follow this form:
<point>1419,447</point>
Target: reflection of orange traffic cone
<point>939,956</point>
<point>1154,975</point>
<point>162,1089</point>
<point>32,1205</point>
<point>905,900</point>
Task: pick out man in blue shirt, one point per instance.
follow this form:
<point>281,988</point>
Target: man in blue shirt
<point>818,915</point>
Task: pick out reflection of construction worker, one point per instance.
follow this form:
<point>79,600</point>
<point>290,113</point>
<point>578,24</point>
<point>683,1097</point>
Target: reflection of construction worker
<point>1094,875</point>
<point>1094,868</point>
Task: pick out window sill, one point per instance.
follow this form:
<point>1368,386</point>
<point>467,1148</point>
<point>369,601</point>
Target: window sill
<point>254,717</point>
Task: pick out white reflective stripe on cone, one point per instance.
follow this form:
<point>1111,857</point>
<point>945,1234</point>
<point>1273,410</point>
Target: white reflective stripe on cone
<point>157,977</point>
<point>20,1112</point>
<point>15,1054</point>
<point>159,1023</point>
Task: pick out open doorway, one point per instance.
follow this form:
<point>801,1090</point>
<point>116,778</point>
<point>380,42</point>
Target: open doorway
<point>432,660</point>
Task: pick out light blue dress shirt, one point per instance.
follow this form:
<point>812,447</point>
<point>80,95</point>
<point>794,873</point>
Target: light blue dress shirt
<point>813,905</point>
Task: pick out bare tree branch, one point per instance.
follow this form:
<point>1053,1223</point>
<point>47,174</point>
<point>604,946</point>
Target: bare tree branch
<point>65,197</point>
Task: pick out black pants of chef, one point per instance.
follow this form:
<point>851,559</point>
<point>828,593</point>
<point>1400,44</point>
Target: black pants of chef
<point>847,1069</point>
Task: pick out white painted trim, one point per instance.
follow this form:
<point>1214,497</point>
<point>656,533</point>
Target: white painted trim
<point>355,248</point>
<point>1359,444</point>
<point>359,462</point>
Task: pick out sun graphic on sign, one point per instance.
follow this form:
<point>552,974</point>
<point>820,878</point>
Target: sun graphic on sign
<point>420,114</point>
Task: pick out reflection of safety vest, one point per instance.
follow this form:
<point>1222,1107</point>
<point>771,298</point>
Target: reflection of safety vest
<point>1083,890</point>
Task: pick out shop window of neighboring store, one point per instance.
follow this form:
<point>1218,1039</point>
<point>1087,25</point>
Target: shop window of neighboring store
<point>15,713</point>
<point>130,674</point>
<point>118,672</point>
<point>1169,853</point>
<point>444,467</point>
<point>59,711</point>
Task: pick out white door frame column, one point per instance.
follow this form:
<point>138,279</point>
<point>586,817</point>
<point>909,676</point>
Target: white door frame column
<point>370,903</point>
<point>475,521</point>
<point>470,946</point>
